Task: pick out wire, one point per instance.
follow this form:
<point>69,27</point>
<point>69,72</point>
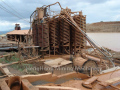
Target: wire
<point>2,7</point>
<point>13,9</point>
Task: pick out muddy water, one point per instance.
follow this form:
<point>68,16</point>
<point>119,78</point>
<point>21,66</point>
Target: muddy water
<point>58,81</point>
<point>109,40</point>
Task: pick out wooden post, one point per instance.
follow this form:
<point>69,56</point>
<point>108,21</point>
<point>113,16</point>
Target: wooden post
<point>15,38</point>
<point>19,53</point>
<point>69,40</point>
<point>48,40</point>
<point>26,39</point>
<point>54,39</point>
<point>20,38</point>
<point>75,43</point>
<point>37,51</point>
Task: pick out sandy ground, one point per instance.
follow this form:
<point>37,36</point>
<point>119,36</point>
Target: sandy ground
<point>116,55</point>
<point>15,72</point>
<point>103,27</point>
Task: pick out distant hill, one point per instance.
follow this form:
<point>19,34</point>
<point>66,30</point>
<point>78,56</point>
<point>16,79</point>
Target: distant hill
<point>3,32</point>
<point>104,27</point>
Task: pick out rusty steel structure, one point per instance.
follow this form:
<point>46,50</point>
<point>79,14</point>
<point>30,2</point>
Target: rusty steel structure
<point>64,33</point>
<point>54,34</point>
<point>17,27</point>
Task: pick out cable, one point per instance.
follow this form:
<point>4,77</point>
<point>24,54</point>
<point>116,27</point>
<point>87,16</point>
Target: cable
<point>11,12</point>
<point>2,7</point>
<point>12,9</point>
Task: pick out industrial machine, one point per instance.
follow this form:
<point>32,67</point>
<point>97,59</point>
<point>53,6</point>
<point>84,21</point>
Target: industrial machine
<point>65,33</point>
<point>60,34</point>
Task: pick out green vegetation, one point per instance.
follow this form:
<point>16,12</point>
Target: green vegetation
<point>20,66</point>
<point>1,60</point>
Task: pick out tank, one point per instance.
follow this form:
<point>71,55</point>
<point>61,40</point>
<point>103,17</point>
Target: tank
<point>17,27</point>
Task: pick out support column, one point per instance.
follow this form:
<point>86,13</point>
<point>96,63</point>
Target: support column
<point>54,38</point>
<point>26,37</point>
<point>75,44</point>
<point>20,38</point>
<point>15,38</point>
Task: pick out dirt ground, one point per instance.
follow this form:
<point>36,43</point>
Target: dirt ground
<point>37,64</point>
<point>104,27</point>
<point>3,52</point>
<point>15,72</point>
<point>116,55</point>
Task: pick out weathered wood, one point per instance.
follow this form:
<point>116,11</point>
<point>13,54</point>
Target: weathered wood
<point>61,34</point>
<point>5,71</point>
<point>4,86</point>
<point>56,88</point>
<point>3,65</point>
<point>28,86</point>
<point>3,76</point>
<point>8,55</point>
<point>110,81</point>
<point>88,82</point>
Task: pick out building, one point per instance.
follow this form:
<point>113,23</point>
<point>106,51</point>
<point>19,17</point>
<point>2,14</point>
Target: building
<point>17,34</point>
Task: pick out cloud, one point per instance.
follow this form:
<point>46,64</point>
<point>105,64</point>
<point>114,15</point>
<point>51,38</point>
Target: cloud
<point>101,11</point>
<point>6,25</point>
<point>96,10</point>
<point>116,17</point>
<point>95,1</point>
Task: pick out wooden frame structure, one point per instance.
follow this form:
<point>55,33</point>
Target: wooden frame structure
<point>55,35</point>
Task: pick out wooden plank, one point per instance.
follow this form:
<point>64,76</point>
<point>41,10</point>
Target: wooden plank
<point>28,86</point>
<point>110,81</point>
<point>4,86</point>
<point>8,55</point>
<point>91,80</point>
<point>56,88</point>
<point>3,65</point>
<point>5,71</point>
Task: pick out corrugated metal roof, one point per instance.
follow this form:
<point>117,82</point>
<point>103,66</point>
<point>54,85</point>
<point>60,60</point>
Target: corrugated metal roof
<point>18,32</point>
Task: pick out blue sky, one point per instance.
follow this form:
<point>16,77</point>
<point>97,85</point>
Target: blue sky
<point>96,10</point>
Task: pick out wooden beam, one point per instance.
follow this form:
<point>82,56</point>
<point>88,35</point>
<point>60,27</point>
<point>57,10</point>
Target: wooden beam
<point>15,38</point>
<point>20,38</point>
<point>110,81</point>
<point>3,65</point>
<point>4,86</point>
<point>8,55</point>
<point>28,86</point>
